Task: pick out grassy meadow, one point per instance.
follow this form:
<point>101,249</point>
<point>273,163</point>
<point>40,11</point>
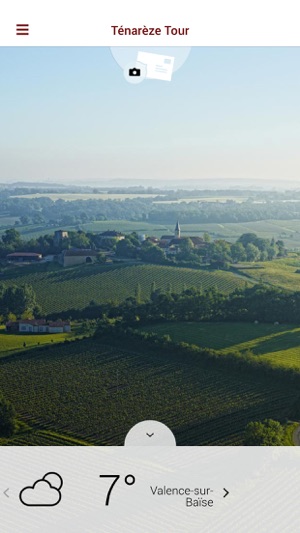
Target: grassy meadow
<point>12,342</point>
<point>279,273</point>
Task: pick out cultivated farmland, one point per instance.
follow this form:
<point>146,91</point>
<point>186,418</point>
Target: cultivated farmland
<point>96,393</point>
<point>64,289</point>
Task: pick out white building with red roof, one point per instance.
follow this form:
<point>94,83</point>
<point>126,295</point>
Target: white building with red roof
<point>38,326</point>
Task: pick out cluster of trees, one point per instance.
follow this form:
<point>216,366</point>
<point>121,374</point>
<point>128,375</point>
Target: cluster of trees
<point>12,241</point>
<point>249,247</point>
<point>43,210</point>
<point>219,253</point>
<point>258,303</point>
<point>250,304</point>
<point>132,248</point>
<point>18,302</point>
<point>266,433</point>
<point>220,213</point>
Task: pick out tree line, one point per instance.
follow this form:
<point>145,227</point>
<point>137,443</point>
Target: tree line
<point>259,303</point>
<point>44,210</point>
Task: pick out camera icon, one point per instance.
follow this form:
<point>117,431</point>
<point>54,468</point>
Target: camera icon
<point>134,72</point>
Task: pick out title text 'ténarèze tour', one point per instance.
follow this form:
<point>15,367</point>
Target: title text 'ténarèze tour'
<point>144,30</point>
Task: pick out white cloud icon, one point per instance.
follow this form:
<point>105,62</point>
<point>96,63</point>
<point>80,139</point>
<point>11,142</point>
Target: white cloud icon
<point>41,494</point>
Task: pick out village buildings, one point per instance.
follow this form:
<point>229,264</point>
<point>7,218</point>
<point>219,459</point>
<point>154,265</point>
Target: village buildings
<point>105,242</point>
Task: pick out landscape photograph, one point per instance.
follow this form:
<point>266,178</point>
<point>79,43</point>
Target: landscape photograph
<point>149,248</point>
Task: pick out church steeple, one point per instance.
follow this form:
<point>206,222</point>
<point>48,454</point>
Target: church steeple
<point>177,230</point>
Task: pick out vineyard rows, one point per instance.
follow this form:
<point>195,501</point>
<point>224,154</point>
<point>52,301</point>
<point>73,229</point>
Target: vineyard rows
<point>97,393</point>
<point>60,290</point>
<point>39,438</point>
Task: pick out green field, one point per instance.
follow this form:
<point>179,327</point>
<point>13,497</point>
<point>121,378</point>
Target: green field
<point>13,342</point>
<point>279,345</point>
<point>220,199</point>
<point>33,231</point>
<point>63,289</point>
<point>96,393</point>
<point>279,273</point>
<point>7,220</point>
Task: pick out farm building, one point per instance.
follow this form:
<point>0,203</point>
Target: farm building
<point>38,326</point>
<point>77,257</point>
<point>23,257</point>
<point>59,327</point>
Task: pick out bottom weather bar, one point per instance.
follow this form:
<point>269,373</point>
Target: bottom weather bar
<point>150,489</point>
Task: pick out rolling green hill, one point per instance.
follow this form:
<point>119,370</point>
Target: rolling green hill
<point>279,345</point>
<point>96,393</point>
<point>63,289</point>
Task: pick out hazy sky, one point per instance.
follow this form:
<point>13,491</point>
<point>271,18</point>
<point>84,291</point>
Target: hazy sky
<point>67,114</point>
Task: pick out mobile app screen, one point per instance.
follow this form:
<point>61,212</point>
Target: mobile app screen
<point>149,287</point>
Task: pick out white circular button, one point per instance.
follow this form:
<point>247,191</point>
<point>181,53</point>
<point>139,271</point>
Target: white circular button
<point>150,433</point>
